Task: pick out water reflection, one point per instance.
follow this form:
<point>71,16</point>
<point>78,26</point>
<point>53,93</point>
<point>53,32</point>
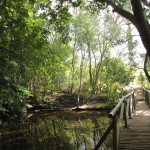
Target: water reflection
<point>57,131</point>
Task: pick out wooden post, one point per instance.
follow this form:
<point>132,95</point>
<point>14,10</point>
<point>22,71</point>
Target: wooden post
<point>130,107</point>
<point>115,136</point>
<point>134,101</point>
<point>143,92</point>
<point>125,114</point>
<point>149,99</point>
<point>146,97</point>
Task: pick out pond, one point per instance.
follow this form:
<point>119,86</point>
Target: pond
<point>61,130</point>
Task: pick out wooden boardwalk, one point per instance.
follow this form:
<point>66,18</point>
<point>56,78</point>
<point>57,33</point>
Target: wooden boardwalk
<point>137,135</point>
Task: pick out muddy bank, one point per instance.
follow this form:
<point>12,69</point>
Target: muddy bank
<point>64,101</point>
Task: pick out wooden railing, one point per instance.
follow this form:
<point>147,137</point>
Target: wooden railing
<point>123,110</point>
<point>147,96</point>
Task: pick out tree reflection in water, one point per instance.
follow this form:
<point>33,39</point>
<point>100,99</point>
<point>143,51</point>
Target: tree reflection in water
<point>58,131</point>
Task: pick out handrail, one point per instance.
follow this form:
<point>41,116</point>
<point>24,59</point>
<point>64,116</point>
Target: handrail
<point>122,110</point>
<point>104,136</point>
<point>113,112</point>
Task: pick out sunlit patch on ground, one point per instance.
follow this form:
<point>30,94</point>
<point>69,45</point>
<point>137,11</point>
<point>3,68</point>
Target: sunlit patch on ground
<point>142,109</point>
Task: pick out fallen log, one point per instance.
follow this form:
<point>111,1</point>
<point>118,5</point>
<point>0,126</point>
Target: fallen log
<point>93,108</point>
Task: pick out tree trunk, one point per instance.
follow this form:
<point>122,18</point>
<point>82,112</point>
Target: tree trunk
<point>73,69</point>
<point>141,24</point>
<point>81,71</point>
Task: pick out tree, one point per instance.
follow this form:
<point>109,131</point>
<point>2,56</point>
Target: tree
<point>141,78</point>
<point>115,75</point>
<point>131,46</point>
<point>21,40</point>
<point>29,60</point>
<point>138,16</point>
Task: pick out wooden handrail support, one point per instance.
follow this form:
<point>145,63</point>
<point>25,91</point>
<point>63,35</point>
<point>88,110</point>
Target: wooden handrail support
<point>123,110</point>
<point>147,96</point>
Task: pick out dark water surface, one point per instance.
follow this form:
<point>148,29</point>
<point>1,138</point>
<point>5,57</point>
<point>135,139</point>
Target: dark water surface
<point>62,130</point>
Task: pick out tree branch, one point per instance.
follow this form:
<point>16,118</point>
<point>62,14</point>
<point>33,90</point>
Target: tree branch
<point>119,10</point>
<point>138,12</point>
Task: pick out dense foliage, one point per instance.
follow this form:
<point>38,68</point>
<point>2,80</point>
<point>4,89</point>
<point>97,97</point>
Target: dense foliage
<point>48,46</point>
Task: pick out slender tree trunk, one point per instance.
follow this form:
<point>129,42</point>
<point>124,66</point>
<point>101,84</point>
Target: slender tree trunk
<point>81,70</point>
<point>73,69</point>
<point>90,66</point>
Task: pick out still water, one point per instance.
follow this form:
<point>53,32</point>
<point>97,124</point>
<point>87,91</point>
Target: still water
<point>62,130</point>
